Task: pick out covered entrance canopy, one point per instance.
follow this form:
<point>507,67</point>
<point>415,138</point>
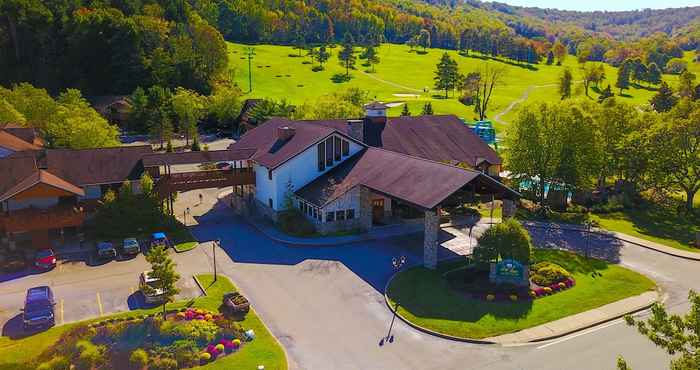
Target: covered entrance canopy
<point>420,183</point>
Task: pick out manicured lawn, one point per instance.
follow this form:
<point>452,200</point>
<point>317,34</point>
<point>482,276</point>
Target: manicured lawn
<point>402,73</point>
<point>264,350</point>
<point>183,240</point>
<point>426,299</point>
<point>653,223</point>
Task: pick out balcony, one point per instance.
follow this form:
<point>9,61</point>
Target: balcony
<point>32,219</point>
<point>204,179</point>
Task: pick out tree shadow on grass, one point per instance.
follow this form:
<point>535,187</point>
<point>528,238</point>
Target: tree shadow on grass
<point>527,66</point>
<point>596,245</point>
<point>341,78</point>
<point>660,222</point>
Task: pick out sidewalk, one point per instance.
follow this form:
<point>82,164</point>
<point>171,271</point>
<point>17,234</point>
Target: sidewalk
<point>377,233</point>
<point>578,322</point>
<point>621,236</point>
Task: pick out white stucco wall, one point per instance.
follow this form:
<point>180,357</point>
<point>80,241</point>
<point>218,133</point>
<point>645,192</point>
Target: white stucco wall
<point>298,171</point>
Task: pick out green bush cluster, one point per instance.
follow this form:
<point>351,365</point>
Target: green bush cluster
<point>200,331</point>
<point>56,363</point>
<point>507,240</point>
<point>138,358</point>
<point>90,355</point>
<point>292,222</point>
<point>547,273</point>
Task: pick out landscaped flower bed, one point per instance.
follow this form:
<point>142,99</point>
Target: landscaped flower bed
<point>546,278</point>
<point>188,338</point>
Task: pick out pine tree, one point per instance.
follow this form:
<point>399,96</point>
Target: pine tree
<point>664,99</point>
<point>686,81</point>
<point>371,55</point>
<point>427,109</point>
<point>623,76</point>
<point>550,58</point>
<point>322,55</point>
<point>446,74</point>
<point>347,54</point>
<point>163,270</point>
<point>405,112</point>
<point>565,84</point>
<point>654,74</point>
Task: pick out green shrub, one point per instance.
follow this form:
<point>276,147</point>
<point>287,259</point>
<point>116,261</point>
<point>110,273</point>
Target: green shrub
<point>56,363</point>
<point>200,331</point>
<point>547,273</point>
<point>163,363</point>
<point>507,240</point>
<point>185,352</point>
<point>138,359</point>
<point>292,222</point>
<point>90,355</point>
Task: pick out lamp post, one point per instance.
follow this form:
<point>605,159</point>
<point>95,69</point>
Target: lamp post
<point>588,225</point>
<point>397,263</point>
<point>216,243</point>
<point>184,215</point>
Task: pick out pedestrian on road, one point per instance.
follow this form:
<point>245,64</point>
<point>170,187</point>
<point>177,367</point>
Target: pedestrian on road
<point>201,198</point>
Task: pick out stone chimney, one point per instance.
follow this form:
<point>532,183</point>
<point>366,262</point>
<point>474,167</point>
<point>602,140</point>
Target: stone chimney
<point>285,133</point>
<point>356,129</point>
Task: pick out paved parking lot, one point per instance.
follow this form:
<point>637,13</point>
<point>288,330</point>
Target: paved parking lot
<point>84,290</point>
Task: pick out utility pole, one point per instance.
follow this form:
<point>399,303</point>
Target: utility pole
<point>250,52</point>
<point>215,245</point>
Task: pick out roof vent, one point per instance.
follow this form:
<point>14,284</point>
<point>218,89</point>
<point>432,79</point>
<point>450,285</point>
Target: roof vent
<point>285,133</point>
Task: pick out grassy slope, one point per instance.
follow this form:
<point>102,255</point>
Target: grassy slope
<point>264,350</point>
<point>427,300</point>
<point>276,75</point>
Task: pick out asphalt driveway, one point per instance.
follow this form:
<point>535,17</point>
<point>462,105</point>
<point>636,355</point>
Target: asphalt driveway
<point>326,304</point>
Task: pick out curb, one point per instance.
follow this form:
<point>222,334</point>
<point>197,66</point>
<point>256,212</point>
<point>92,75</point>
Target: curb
<point>491,342</point>
<point>189,250</point>
<point>614,235</point>
<point>199,285</point>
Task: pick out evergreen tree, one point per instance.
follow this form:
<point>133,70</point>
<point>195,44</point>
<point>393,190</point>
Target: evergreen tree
<point>565,81</point>
<point>446,75</point>
<point>686,81</point>
<point>664,99</point>
<point>372,56</point>
<point>347,54</point>
<point>623,76</point>
<point>654,74</point>
<point>405,112</point>
<point>322,55</point>
<point>163,270</point>
<point>550,58</point>
<point>427,109</point>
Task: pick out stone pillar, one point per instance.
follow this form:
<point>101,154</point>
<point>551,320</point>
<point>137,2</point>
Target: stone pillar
<point>430,239</point>
<point>365,214</point>
<point>509,208</point>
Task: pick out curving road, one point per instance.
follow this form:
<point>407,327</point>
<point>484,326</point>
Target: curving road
<point>326,304</point>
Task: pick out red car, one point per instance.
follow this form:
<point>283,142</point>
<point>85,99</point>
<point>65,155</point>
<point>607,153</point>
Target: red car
<point>45,259</point>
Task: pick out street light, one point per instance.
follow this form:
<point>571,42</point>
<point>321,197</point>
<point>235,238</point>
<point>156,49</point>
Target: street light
<point>216,243</point>
<point>397,263</point>
<point>184,215</point>
<point>588,225</point>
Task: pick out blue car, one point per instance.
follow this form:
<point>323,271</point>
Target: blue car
<point>38,311</point>
<point>159,239</point>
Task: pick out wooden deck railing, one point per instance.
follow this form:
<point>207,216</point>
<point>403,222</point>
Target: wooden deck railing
<point>186,181</point>
<point>31,219</point>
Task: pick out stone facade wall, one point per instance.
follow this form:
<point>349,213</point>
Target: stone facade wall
<point>261,209</point>
<point>430,239</point>
<point>365,211</point>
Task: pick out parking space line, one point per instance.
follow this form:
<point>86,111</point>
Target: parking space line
<point>60,310</point>
<point>99,303</point>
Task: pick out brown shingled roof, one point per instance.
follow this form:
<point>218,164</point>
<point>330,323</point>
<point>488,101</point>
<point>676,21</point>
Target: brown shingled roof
<point>272,152</point>
<point>159,159</point>
<point>421,182</point>
<point>41,177</point>
<point>27,134</point>
<point>442,138</point>
<point>97,166</point>
<point>15,169</point>
<point>14,143</point>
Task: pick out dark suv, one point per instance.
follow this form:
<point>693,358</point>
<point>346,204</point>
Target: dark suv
<point>38,308</point>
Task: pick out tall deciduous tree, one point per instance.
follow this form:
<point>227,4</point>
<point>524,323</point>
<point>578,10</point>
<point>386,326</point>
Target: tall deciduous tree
<point>424,39</point>
<point>446,74</point>
<point>163,270</point>
<point>189,109</point>
<point>559,51</point>
<point>623,76</point>
<point>490,76</point>
<point>686,84</point>
<point>677,335</point>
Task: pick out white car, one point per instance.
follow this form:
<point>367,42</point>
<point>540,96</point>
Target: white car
<point>149,288</point>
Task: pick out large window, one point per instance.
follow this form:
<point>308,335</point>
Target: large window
<point>346,148</point>
<point>350,214</point>
<point>329,152</point>
<point>337,148</point>
<point>340,215</point>
<point>321,156</point>
<point>330,216</point>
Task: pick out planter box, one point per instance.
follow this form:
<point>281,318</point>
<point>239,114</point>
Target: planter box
<point>236,304</point>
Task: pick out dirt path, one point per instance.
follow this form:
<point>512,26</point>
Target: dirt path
<point>394,84</point>
<point>518,101</point>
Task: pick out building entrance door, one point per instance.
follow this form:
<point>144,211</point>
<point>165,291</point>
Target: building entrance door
<point>377,211</point>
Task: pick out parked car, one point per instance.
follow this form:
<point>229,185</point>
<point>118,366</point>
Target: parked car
<point>131,246</point>
<point>158,239</point>
<point>13,261</point>
<point>149,288</point>
<point>105,250</point>
<point>45,259</point>
<point>38,308</point>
